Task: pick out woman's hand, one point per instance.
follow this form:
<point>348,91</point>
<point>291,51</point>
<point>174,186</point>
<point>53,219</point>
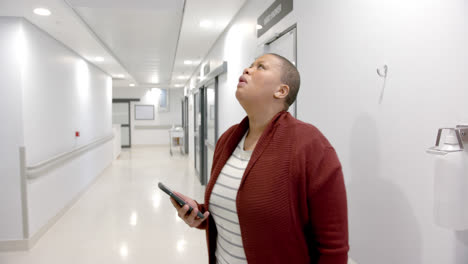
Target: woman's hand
<point>191,219</point>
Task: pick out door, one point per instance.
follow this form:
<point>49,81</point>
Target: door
<point>285,45</point>
<point>185,123</point>
<point>206,123</point>
<point>196,132</point>
<point>199,134</point>
<point>211,125</point>
<point>121,115</point>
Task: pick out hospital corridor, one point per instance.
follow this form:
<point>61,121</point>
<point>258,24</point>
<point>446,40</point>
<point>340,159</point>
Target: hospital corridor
<point>234,131</point>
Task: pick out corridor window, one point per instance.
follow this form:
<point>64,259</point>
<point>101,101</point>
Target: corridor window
<point>163,100</point>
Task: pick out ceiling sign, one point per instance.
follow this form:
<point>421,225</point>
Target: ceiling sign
<point>273,14</point>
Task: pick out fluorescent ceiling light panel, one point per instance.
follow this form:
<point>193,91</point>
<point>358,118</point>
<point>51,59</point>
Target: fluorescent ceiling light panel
<point>119,76</point>
<point>188,62</point>
<point>132,85</point>
<point>155,79</point>
<point>181,77</point>
<point>42,11</point>
<point>99,59</point>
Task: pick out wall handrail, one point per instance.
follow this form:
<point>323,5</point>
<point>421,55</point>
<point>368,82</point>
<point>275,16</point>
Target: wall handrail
<point>155,126</point>
<point>31,171</point>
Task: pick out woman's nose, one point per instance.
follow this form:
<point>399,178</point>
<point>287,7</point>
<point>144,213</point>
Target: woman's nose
<point>247,71</point>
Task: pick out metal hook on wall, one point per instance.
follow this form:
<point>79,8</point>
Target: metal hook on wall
<point>384,74</point>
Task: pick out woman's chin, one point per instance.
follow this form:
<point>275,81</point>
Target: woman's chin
<point>240,98</point>
<point>238,95</point>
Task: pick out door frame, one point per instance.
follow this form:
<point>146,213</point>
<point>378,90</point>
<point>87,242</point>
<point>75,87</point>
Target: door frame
<point>201,91</point>
<point>185,123</point>
<point>205,124</point>
<point>127,100</point>
<point>196,97</point>
<point>292,28</point>
<point>201,136</point>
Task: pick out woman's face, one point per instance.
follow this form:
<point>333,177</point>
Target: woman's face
<point>259,82</point>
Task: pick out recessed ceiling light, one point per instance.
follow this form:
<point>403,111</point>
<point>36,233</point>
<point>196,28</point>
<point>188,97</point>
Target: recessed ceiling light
<point>99,59</point>
<point>132,85</point>
<point>181,77</point>
<point>259,26</point>
<point>42,11</point>
<point>119,76</point>
<point>178,85</point>
<point>188,62</point>
<point>206,24</point>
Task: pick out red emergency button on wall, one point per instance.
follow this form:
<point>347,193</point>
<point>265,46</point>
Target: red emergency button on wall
<point>77,134</point>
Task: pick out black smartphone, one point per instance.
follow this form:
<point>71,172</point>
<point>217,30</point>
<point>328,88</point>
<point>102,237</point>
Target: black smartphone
<point>178,199</point>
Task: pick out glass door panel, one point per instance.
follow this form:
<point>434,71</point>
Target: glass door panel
<point>197,135</point>
<point>210,126</point>
<point>121,115</point>
<point>211,114</point>
<point>125,139</point>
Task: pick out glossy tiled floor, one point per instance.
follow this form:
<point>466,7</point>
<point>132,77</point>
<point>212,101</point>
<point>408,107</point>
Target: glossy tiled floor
<point>124,218</point>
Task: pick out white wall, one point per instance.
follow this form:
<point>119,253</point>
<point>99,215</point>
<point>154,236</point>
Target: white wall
<point>61,94</point>
<point>117,141</point>
<point>11,136</point>
<point>167,118</point>
<point>381,142</point>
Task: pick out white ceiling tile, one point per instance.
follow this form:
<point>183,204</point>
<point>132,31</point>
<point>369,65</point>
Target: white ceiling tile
<point>137,38</point>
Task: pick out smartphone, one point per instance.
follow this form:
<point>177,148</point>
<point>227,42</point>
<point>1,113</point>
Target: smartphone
<point>178,199</point>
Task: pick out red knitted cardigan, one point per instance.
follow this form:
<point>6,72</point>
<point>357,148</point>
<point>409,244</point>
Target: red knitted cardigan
<point>291,202</point>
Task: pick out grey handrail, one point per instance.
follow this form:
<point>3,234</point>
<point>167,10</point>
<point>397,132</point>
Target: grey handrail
<point>31,171</point>
<point>161,127</point>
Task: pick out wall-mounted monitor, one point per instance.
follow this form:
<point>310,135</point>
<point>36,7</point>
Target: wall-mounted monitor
<point>144,112</point>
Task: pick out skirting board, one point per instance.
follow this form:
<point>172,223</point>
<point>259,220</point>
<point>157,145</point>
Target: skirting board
<point>149,145</point>
<point>27,244</point>
<point>14,245</point>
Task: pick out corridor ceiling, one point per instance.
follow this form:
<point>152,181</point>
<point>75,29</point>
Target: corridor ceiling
<point>144,42</point>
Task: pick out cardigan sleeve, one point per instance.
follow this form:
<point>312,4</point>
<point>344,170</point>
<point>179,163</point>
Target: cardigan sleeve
<point>328,209</point>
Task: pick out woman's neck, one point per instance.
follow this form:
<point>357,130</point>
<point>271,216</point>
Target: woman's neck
<point>258,123</point>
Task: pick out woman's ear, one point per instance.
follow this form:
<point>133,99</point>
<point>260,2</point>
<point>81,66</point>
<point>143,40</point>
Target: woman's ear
<point>282,92</point>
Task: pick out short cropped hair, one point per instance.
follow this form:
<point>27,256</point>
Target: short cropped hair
<point>289,76</point>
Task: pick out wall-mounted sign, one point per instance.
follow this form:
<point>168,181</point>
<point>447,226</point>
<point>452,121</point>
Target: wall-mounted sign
<point>273,14</point>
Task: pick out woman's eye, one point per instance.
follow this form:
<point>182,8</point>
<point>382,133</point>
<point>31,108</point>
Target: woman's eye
<point>261,66</point>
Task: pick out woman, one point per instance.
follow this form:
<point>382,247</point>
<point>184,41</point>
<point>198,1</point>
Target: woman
<point>276,193</point>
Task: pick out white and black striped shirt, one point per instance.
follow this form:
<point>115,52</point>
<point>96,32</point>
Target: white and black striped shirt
<point>229,249</point>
